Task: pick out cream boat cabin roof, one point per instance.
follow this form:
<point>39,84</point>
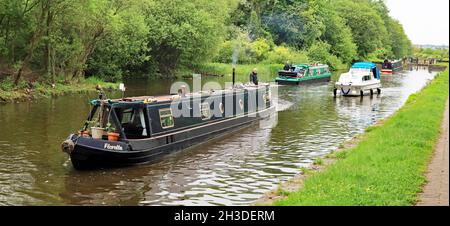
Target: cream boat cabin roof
<point>360,73</point>
<point>363,77</point>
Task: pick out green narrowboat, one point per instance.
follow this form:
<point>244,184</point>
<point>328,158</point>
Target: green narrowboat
<point>302,73</point>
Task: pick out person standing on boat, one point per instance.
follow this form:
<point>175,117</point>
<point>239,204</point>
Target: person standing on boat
<point>287,66</point>
<point>254,76</point>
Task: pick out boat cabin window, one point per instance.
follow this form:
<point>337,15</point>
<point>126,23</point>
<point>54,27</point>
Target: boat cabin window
<point>366,77</point>
<point>134,122</point>
<point>98,117</point>
<point>127,116</point>
<point>166,118</point>
<point>300,71</point>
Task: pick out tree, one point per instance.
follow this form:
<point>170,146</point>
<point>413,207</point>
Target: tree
<point>36,34</point>
<point>401,45</point>
<point>184,32</point>
<point>368,29</point>
<point>110,38</point>
<point>336,33</point>
<point>320,52</point>
<point>125,46</point>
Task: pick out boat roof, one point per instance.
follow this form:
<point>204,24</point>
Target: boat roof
<point>309,65</point>
<point>145,98</point>
<point>368,65</point>
<point>358,73</point>
<point>168,98</point>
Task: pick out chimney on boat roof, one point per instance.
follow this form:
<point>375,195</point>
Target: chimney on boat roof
<point>234,74</point>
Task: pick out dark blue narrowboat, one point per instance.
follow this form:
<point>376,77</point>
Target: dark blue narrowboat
<point>389,67</point>
<point>135,130</point>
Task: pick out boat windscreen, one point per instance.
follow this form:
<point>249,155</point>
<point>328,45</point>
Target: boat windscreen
<point>359,70</point>
<point>98,117</point>
<point>133,121</point>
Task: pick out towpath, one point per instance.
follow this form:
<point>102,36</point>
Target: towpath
<point>435,192</point>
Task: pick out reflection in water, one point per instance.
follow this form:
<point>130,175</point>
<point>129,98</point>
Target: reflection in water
<point>235,169</point>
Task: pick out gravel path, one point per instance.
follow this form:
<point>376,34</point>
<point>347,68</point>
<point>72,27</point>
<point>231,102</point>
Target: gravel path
<point>435,192</point>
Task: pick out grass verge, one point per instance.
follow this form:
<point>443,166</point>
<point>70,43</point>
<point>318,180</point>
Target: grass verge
<point>266,72</point>
<point>387,166</point>
<point>10,93</point>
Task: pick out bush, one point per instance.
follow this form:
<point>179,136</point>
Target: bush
<point>225,52</point>
<point>240,47</point>
<point>246,50</point>
<point>379,55</point>
<point>282,54</point>
<point>320,52</point>
<point>260,48</point>
<point>7,84</point>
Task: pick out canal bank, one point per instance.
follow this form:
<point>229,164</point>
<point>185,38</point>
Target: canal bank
<point>384,166</point>
<point>27,90</point>
<point>32,90</point>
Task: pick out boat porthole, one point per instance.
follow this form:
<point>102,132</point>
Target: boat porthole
<point>241,104</point>
<point>222,109</point>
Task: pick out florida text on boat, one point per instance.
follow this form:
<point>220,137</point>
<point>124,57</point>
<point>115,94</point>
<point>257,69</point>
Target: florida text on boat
<point>142,129</point>
<point>300,73</point>
<point>363,78</point>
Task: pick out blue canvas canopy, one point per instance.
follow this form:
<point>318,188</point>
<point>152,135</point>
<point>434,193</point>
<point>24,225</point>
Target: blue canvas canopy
<point>368,65</point>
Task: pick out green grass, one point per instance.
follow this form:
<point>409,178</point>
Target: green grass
<point>387,166</point>
<point>9,93</point>
<point>318,161</point>
<point>266,72</point>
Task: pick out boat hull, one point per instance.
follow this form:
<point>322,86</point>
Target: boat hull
<point>85,155</point>
<point>282,81</point>
<point>352,90</point>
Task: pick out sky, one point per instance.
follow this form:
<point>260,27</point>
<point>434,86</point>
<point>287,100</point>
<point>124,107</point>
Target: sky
<point>424,21</point>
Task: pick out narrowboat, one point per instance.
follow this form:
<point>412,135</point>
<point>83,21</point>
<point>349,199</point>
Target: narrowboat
<point>301,73</point>
<point>133,130</point>
<point>388,67</point>
<point>363,78</point>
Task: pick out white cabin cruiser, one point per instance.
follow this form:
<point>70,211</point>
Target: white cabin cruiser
<point>363,78</point>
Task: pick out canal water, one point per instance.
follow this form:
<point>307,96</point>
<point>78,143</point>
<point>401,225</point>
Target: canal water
<point>233,170</point>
